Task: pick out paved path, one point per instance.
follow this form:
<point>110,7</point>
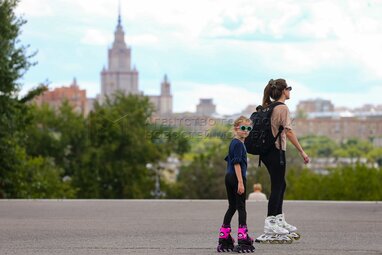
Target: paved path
<point>178,227</point>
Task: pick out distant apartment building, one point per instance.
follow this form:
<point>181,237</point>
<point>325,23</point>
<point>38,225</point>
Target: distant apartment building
<point>340,128</point>
<point>316,105</point>
<point>206,107</point>
<point>75,96</point>
<point>369,108</point>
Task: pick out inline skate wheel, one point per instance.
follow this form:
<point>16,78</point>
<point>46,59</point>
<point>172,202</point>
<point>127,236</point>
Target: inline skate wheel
<point>244,249</point>
<point>295,235</point>
<point>220,248</point>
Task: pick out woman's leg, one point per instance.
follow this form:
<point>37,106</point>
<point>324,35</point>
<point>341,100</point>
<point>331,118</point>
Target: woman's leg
<point>280,207</point>
<point>277,176</point>
<point>283,185</point>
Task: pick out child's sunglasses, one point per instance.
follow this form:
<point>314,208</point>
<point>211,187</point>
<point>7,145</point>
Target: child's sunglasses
<point>243,128</point>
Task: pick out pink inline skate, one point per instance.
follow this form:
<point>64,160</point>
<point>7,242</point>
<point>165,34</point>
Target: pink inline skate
<point>245,243</point>
<point>226,242</point>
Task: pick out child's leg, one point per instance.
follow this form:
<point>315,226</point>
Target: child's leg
<point>240,205</point>
<point>226,242</point>
<point>231,195</point>
<point>245,243</point>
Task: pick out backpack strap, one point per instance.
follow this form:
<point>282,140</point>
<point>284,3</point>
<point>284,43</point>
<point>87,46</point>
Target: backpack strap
<point>274,104</point>
<point>281,128</point>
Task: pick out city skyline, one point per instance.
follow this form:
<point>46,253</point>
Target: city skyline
<point>228,55</point>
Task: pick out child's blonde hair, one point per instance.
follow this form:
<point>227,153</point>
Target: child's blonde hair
<point>240,120</point>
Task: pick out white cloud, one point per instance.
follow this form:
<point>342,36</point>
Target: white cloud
<point>227,98</point>
<point>230,99</point>
<point>36,8</point>
<point>297,37</point>
<point>367,51</point>
<point>348,99</point>
<point>142,39</point>
<point>96,37</point>
<point>98,9</point>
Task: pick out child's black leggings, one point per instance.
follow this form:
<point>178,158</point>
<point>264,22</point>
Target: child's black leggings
<point>277,175</point>
<point>236,201</point>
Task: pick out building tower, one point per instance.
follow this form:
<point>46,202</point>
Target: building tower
<point>119,76</point>
<point>165,97</point>
<point>163,102</point>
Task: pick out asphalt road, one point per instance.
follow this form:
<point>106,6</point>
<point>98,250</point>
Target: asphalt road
<point>179,227</point>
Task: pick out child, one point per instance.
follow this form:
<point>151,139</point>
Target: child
<point>235,182</point>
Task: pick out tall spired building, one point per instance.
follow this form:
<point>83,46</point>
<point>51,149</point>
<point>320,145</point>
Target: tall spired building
<point>119,75</point>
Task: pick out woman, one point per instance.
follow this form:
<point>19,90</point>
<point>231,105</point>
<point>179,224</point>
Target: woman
<point>276,229</point>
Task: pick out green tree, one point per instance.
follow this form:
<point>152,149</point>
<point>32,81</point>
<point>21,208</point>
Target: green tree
<point>39,178</point>
<point>61,135</point>
<point>168,139</point>
<point>375,156</point>
<point>354,149</point>
<point>203,177</point>
<point>318,146</point>
<point>303,185</point>
<point>343,183</point>
<point>14,117</point>
<point>121,143</point>
<point>115,164</point>
<point>222,131</point>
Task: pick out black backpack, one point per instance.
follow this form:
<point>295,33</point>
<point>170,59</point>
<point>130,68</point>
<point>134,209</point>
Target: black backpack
<point>260,140</point>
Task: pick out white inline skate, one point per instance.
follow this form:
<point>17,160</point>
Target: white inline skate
<point>280,219</point>
<point>273,233</point>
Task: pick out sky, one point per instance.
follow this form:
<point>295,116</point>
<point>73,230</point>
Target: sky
<point>219,49</point>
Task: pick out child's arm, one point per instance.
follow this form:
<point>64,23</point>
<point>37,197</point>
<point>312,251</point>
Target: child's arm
<point>240,188</point>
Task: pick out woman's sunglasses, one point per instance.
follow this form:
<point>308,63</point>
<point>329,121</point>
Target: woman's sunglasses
<point>243,128</point>
<point>288,88</point>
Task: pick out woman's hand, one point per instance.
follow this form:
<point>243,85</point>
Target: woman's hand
<point>240,188</point>
<point>305,157</point>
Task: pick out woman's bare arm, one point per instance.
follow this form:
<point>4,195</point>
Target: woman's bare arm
<point>293,139</point>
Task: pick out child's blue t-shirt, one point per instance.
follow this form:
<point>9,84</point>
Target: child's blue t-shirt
<point>237,154</point>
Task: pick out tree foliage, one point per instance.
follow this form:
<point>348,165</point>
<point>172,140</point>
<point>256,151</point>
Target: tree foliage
<point>343,183</point>
<point>14,117</point>
<point>203,178</point>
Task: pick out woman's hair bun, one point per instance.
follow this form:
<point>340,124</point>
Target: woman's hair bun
<point>273,83</point>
